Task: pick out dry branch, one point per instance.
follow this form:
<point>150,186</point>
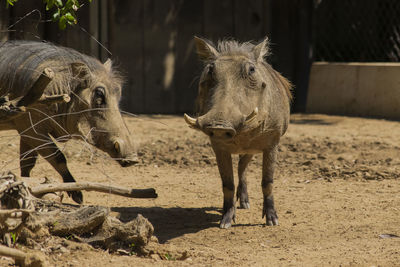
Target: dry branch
<point>132,193</point>
<point>50,99</point>
<point>37,88</point>
<point>10,109</point>
<point>14,212</point>
<point>12,252</point>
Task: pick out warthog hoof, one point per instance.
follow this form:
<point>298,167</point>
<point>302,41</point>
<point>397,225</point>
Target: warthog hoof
<point>270,214</point>
<point>76,196</point>
<point>227,218</point>
<point>244,205</point>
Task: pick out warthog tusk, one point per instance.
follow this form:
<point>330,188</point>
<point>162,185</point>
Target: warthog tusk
<point>252,116</point>
<point>190,121</point>
<point>117,147</point>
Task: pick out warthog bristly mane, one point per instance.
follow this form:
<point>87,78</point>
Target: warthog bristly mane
<point>19,70</point>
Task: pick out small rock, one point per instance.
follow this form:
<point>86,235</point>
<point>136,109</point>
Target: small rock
<point>155,257</point>
<point>64,250</point>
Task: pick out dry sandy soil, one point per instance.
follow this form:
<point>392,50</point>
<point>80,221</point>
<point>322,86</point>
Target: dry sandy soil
<point>337,192</point>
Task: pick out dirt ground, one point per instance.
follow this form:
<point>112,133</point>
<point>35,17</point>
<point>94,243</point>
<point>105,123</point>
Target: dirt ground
<point>337,194</point>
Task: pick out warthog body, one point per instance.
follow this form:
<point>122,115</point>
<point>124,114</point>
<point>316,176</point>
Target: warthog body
<point>244,107</point>
<point>92,114</point>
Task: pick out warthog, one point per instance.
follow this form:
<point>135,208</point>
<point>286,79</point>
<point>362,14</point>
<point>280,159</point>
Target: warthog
<point>244,107</point>
<point>90,111</point>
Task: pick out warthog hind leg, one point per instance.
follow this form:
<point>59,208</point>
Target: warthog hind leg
<point>269,159</point>
<point>241,193</point>
<point>224,161</point>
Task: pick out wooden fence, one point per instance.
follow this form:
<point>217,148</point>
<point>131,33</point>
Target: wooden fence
<point>152,41</point>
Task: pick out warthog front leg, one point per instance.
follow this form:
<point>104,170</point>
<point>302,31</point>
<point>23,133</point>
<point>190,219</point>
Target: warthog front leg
<point>241,193</point>
<point>57,159</point>
<point>27,157</point>
<point>224,161</point>
<point>269,159</point>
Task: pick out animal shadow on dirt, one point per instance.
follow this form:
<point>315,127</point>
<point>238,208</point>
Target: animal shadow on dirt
<point>312,121</point>
<point>173,222</point>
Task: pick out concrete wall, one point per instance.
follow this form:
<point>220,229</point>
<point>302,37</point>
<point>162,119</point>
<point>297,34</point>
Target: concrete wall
<point>356,89</point>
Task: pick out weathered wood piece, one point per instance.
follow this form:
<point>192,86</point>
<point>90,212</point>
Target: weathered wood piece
<point>24,259</point>
<point>33,219</point>
<point>132,193</point>
<point>37,88</point>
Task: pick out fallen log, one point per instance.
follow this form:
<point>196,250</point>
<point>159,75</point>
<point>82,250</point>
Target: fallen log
<point>87,186</point>
<point>33,220</point>
<point>81,221</point>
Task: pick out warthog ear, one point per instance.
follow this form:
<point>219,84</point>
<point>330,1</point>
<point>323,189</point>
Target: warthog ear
<point>261,51</point>
<point>79,69</point>
<point>205,50</point>
<point>108,65</point>
<point>80,72</point>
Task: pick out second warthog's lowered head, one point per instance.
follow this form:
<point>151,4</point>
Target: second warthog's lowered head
<point>95,115</point>
<point>237,88</point>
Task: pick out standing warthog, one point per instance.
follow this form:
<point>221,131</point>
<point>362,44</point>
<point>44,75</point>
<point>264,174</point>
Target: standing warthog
<point>88,109</point>
<point>244,107</point>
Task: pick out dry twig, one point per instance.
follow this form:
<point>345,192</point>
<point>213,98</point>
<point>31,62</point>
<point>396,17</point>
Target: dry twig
<point>132,193</point>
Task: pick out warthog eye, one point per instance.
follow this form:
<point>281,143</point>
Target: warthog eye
<point>251,70</point>
<point>99,98</point>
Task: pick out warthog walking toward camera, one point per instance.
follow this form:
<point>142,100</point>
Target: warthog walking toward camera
<point>80,100</point>
<point>244,107</point>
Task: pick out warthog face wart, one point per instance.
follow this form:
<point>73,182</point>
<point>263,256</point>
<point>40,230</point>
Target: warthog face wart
<point>243,106</point>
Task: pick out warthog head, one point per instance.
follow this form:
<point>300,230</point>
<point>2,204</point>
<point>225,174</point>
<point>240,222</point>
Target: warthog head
<point>95,113</point>
<point>235,88</point>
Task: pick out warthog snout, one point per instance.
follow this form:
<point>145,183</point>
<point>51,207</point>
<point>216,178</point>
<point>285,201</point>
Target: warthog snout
<point>123,157</point>
<point>220,131</point>
<point>128,162</point>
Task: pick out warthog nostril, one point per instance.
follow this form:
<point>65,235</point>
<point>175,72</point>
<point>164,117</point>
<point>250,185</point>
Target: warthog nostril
<point>220,132</point>
<point>229,134</point>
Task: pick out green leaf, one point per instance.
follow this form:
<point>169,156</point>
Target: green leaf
<point>56,15</point>
<point>62,23</point>
<point>59,3</point>
<point>11,2</point>
<point>69,17</point>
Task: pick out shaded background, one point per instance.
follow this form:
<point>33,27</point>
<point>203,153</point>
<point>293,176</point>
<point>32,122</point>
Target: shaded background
<point>152,41</point>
